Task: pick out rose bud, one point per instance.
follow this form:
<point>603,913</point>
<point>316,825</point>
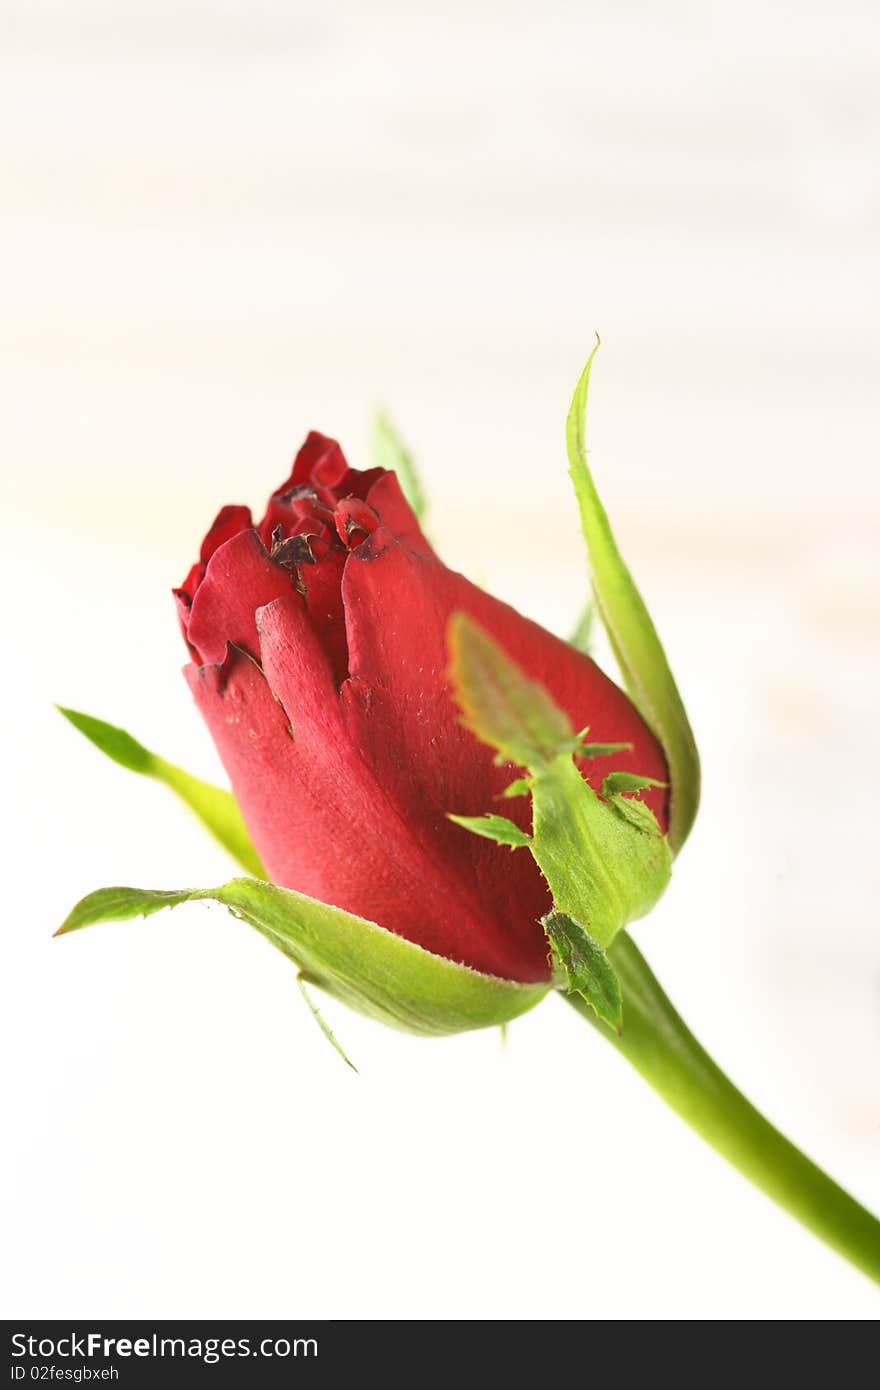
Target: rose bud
<point>320,665</point>
<point>372,708</point>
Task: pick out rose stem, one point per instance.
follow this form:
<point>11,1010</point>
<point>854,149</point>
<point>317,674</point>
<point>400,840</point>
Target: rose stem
<point>659,1045</point>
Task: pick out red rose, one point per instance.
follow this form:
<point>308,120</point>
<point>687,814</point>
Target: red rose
<point>370,707</point>
<point>320,666</point>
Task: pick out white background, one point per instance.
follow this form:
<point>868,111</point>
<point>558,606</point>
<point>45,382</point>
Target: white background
<point>224,224</point>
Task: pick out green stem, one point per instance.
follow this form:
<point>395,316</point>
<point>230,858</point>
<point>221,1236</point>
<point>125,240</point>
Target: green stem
<point>660,1046</point>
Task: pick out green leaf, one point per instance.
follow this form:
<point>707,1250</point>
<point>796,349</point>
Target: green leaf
<point>216,808</point>
<point>497,828</point>
<point>359,962</point>
<point>600,866</point>
<point>390,452</point>
<point>501,706</point>
<point>582,637</point>
<point>637,647</point>
<point>582,967</point>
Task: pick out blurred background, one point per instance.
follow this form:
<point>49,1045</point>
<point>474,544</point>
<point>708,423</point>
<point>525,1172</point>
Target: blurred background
<point>223,224</point>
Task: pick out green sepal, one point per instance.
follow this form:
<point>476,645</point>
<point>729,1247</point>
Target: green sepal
<point>389,451</point>
<point>323,1024</point>
<point>505,709</point>
<point>582,636</point>
<point>359,962</point>
<point>616,783</point>
<point>602,750</point>
<point>638,649</point>
<point>497,828</point>
<point>603,867</point>
<point>580,966</point>
<point>216,808</point>
<point>637,813</point>
<point>618,788</point>
<point>521,786</point>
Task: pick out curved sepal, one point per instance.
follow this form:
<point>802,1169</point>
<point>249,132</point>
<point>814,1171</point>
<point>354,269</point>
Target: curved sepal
<point>389,451</point>
<point>638,649</point>
<point>369,968</point>
<point>216,808</point>
<point>582,634</point>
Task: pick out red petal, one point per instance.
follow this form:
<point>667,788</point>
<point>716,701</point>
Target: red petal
<point>398,605</point>
<point>387,500</point>
<point>184,596</point>
<point>251,732</point>
<point>320,461</point>
<point>240,578</point>
<point>401,714</point>
<point>227,523</point>
<point>354,521</point>
<point>323,584</point>
<point>337,835</point>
